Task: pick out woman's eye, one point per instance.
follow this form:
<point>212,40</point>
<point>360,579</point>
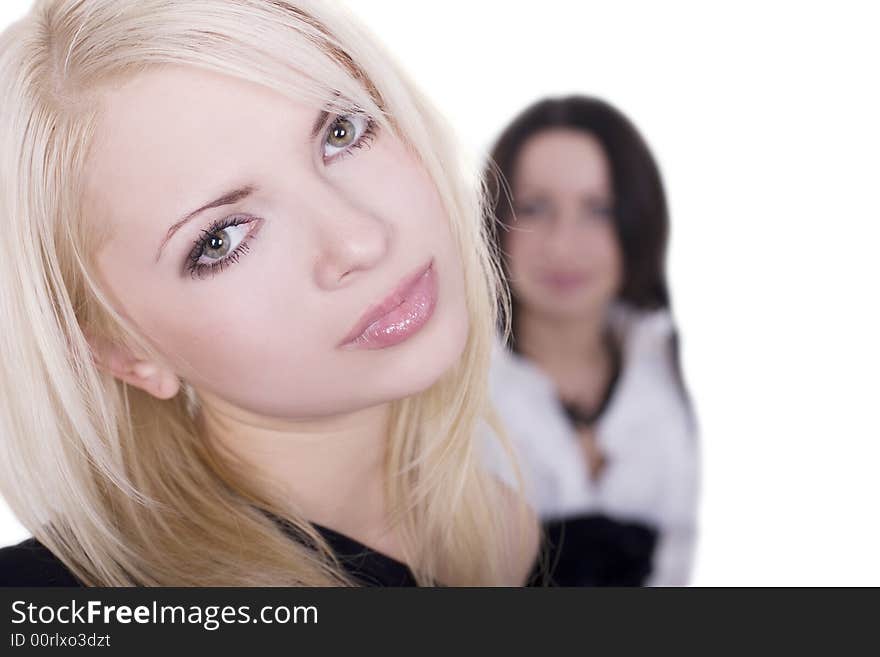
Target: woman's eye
<point>346,132</point>
<point>598,211</point>
<point>532,209</point>
<point>219,246</point>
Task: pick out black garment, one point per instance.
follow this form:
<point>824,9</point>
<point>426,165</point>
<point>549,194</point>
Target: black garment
<point>594,550</point>
<point>368,567</point>
<point>32,564</point>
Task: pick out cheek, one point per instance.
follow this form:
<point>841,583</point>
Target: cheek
<point>387,180</point>
<point>249,329</point>
<point>525,259</point>
<point>514,266</point>
<point>603,251</point>
<point>240,334</point>
<point>524,250</point>
<point>270,350</point>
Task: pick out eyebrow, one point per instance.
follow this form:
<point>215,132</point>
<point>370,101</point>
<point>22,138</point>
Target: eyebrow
<point>227,198</point>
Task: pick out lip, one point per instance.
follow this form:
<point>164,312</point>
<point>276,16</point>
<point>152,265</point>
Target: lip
<point>401,314</point>
<point>564,281</point>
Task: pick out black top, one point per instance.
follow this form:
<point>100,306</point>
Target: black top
<point>366,565</point>
<point>594,550</point>
<point>30,563</point>
<point>591,550</point>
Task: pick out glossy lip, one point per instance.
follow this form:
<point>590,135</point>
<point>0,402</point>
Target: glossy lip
<point>395,299</point>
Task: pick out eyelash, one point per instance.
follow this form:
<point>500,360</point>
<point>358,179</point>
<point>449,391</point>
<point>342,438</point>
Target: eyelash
<point>197,270</point>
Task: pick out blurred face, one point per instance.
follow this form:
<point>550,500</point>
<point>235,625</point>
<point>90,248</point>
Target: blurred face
<point>286,262</point>
<point>563,255</point>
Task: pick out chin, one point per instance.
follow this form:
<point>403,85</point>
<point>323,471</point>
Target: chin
<point>416,365</point>
<point>395,379</point>
<point>586,304</point>
<point>565,311</point>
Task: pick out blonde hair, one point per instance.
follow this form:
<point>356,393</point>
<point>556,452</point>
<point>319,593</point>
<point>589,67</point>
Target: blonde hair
<point>122,486</point>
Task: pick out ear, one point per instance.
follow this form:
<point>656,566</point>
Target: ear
<point>147,375</point>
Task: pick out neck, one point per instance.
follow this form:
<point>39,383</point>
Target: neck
<point>330,469</point>
<point>563,344</point>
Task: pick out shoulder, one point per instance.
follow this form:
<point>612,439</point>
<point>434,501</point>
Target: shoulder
<point>640,329</point>
<point>510,372</point>
<point>30,563</point>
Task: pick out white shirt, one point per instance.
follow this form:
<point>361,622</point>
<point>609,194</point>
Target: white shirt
<point>645,433</point>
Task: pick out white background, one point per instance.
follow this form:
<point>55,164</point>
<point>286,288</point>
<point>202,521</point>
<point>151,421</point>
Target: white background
<point>764,118</point>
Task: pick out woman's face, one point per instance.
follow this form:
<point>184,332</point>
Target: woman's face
<point>313,227</point>
<point>562,251</point>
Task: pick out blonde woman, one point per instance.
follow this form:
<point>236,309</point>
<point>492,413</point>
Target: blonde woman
<point>245,304</point>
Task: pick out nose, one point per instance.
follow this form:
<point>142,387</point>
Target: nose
<point>351,240</point>
<point>560,238</point>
